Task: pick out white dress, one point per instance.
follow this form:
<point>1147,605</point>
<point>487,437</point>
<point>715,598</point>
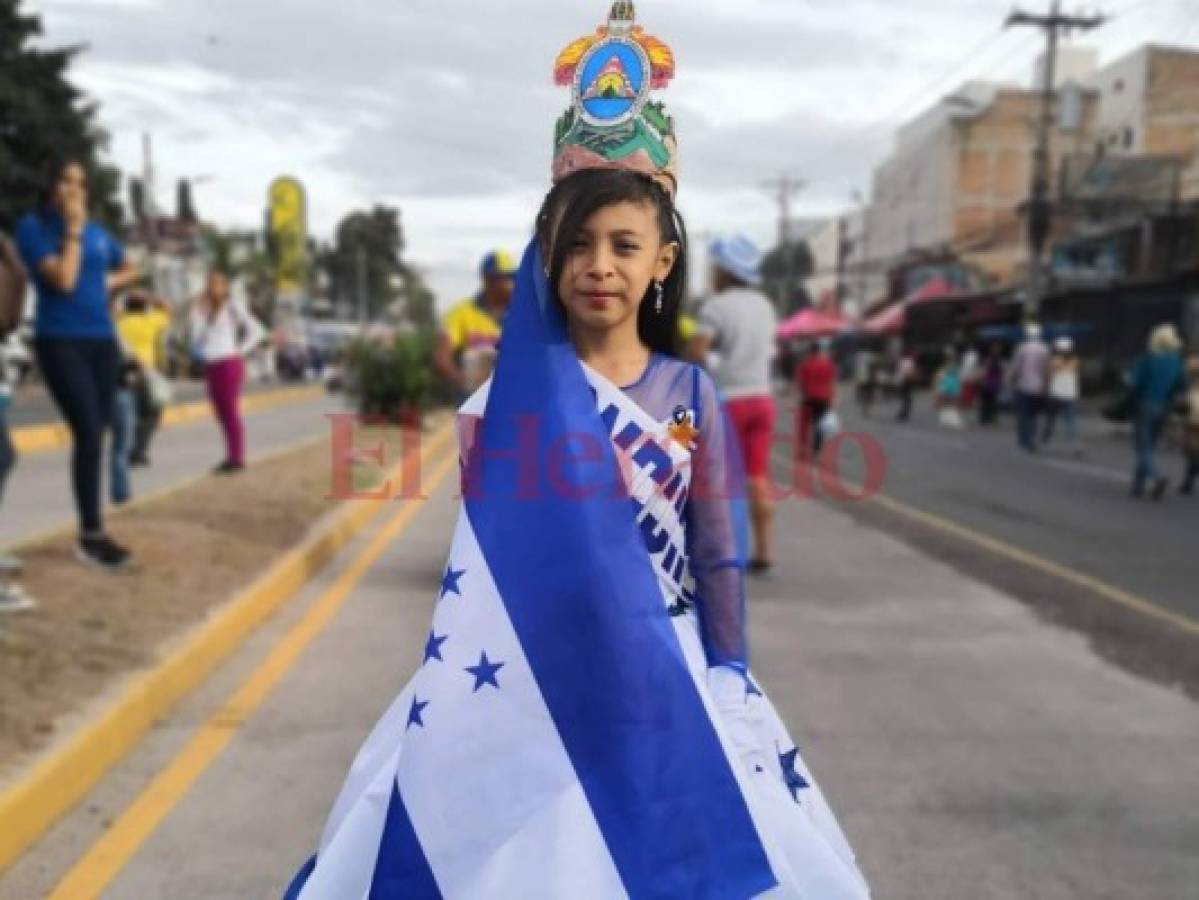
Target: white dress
<point>488,805</point>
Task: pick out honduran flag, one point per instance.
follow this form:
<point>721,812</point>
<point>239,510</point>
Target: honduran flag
<point>554,743</point>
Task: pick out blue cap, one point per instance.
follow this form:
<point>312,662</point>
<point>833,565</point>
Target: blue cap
<point>498,262</point>
<point>739,256</point>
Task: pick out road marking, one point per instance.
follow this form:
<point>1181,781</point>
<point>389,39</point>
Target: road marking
<point>34,439</point>
<point>1109,592</point>
<point>71,768</point>
<point>112,852</point>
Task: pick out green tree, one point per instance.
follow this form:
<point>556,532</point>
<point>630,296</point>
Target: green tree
<point>366,258</point>
<point>43,116</point>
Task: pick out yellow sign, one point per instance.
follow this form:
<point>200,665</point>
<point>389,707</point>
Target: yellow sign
<point>288,219</point>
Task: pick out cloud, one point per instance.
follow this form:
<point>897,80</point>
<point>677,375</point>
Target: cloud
<point>445,107</point>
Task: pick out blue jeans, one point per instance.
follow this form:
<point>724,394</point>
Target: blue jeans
<point>8,453</point>
<point>1067,412</point>
<point>1146,435</point>
<point>1027,407</point>
<point>81,375</point>
<point>124,421</point>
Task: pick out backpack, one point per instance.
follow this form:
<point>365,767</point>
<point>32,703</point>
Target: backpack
<point>12,288</point>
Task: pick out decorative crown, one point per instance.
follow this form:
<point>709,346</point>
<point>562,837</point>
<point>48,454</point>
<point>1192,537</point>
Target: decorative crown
<point>611,122</point>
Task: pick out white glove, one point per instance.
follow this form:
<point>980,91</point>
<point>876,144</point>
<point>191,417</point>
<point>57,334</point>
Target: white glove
<point>730,691</point>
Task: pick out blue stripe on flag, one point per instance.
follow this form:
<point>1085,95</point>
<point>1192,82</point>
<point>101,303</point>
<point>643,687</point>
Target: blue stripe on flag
<point>301,879</point>
<point>401,871</point>
<point>579,588</point>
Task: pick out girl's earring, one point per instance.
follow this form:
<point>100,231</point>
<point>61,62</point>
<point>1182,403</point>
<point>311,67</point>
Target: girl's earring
<point>658,291</point>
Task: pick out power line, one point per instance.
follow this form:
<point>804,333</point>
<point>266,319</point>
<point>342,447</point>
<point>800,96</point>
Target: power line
<point>1054,25</point>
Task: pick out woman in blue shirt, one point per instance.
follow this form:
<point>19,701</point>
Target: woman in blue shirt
<point>75,265</point>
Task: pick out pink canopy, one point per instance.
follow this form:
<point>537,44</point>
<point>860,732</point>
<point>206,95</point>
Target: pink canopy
<point>811,323</point>
<point>892,319</point>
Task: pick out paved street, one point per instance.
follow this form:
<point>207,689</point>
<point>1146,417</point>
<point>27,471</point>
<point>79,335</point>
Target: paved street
<point>971,749</point>
<point>38,494</point>
<point>1073,511</point>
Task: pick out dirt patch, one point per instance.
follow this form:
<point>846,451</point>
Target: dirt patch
<point>194,549</point>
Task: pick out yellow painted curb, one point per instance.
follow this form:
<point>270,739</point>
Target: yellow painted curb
<point>33,439</point>
<point>55,784</point>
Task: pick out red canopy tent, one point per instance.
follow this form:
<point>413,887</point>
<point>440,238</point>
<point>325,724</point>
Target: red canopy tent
<point>811,323</point>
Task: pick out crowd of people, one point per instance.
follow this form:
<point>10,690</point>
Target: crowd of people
<point>98,337</point>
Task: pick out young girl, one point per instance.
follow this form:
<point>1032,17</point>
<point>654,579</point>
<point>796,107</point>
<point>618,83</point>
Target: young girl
<point>584,724</point>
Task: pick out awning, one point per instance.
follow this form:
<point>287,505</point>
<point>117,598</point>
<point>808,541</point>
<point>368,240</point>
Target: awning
<point>811,323</point>
<point>892,319</point>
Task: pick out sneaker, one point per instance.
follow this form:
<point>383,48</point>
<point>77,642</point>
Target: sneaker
<point>1159,489</point>
<point>103,552</point>
<point>10,565</point>
<point>760,567</point>
<point>14,599</point>
<point>228,468</point>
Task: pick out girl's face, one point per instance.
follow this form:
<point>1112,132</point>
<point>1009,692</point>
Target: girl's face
<point>71,187</point>
<point>616,255</point>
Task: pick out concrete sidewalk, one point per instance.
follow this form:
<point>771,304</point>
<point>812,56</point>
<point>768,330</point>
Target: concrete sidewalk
<point>31,404</point>
<point>969,749</point>
<point>38,495</point>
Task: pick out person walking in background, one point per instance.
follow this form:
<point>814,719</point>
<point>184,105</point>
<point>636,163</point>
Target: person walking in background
<point>1029,378</point>
<point>865,377</point>
<point>906,374</point>
<point>1190,435</point>
<point>949,392</point>
<point>1063,394</point>
<point>124,423</point>
<point>76,266</point>
<point>223,331</point>
<point>970,374</point>
<point>142,326</point>
<point>12,305</point>
<point>470,331</point>
<point>1157,378</point>
<point>738,324</point>
<point>816,379</point>
<point>990,386</point>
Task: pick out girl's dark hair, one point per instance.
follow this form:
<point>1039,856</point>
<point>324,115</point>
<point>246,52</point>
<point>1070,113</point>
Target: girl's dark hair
<point>576,198</point>
<point>51,174</point>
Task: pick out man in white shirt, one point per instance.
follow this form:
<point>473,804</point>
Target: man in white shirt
<point>739,324</point>
<point>1029,379</point>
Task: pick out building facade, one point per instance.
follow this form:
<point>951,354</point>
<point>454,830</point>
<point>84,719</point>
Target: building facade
<point>961,172</point>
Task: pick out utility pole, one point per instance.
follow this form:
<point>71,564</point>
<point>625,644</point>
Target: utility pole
<point>1040,211</point>
<point>784,188</point>
<point>151,205</point>
<point>360,279</point>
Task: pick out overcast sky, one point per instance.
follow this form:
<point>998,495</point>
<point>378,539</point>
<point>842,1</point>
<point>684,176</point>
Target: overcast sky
<point>445,107</point>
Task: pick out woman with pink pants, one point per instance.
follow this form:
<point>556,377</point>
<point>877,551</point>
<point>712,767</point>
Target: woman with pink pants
<point>223,331</point>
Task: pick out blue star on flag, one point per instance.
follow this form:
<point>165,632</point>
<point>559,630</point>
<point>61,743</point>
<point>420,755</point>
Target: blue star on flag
<point>751,689</point>
<point>449,581</point>
<point>484,672</point>
<point>433,646</point>
<point>414,714</point>
<point>794,781</point>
